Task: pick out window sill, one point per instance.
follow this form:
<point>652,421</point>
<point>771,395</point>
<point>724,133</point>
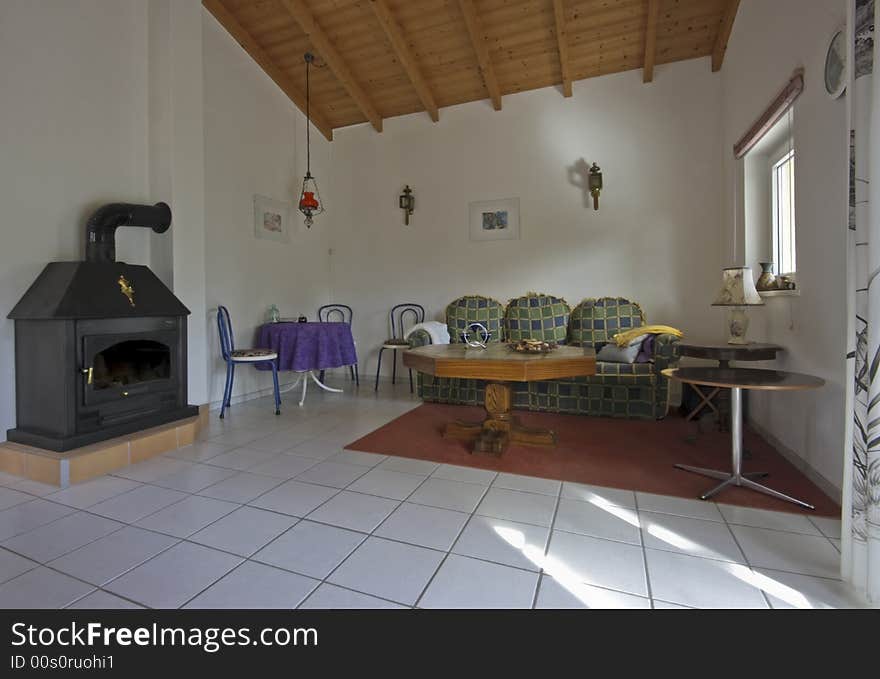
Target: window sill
<point>780,293</point>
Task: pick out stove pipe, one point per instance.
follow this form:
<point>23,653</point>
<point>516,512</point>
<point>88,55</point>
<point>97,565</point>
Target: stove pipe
<point>101,226</point>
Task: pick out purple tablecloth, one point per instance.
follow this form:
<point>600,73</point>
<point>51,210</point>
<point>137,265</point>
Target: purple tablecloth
<point>308,346</point>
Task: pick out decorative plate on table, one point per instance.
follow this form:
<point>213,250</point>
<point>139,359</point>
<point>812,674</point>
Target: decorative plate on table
<point>533,346</point>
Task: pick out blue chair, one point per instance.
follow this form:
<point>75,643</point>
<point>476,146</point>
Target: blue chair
<point>232,356</point>
<point>343,312</point>
<point>397,316</point>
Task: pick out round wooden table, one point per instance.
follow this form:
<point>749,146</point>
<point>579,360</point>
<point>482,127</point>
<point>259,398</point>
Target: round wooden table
<point>500,366</point>
<point>737,379</point>
<point>724,354</point>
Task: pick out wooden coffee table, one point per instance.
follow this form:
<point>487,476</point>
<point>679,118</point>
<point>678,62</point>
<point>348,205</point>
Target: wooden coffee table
<point>500,366</point>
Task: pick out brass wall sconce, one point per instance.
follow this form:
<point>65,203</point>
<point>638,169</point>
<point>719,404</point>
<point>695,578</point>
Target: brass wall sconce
<point>595,184</point>
<point>407,203</point>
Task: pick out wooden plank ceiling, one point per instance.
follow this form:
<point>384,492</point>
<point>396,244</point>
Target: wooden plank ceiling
<point>381,58</point>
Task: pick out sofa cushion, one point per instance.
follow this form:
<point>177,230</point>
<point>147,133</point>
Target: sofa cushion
<point>460,313</point>
<point>537,316</point>
<point>596,321</point>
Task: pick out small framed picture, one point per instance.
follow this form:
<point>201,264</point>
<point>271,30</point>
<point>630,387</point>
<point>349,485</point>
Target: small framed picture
<point>271,219</point>
<point>494,219</point>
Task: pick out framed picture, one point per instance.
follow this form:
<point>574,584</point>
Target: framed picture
<point>271,218</point>
<point>495,219</point>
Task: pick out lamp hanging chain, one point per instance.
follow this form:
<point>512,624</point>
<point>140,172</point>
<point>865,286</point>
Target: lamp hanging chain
<point>308,120</point>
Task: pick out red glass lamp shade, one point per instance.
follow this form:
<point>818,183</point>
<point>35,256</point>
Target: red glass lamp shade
<point>308,201</point>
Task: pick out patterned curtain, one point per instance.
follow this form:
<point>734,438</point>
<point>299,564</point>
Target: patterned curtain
<point>861,536</point>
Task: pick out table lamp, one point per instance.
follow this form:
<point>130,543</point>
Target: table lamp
<point>738,292</point>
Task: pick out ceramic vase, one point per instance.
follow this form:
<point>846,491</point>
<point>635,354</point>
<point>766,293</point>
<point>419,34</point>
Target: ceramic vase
<point>766,281</point>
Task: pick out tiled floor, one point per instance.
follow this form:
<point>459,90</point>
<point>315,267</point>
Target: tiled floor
<point>269,511</point>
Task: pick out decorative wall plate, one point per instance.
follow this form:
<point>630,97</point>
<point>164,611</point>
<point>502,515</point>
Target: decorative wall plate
<point>835,65</point>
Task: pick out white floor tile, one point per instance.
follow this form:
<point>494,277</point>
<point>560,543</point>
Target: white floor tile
<point>764,518</point>
<point>599,520</point>
<point>98,600</point>
<point>386,483</point>
<point>469,583</point>
<point>515,505</point>
<point>136,504</point>
<point>26,516</point>
<point>279,441</point>
<point>187,516</point>
<point>152,469</point>
<point>195,478</point>
<point>679,506</point>
<point>805,554</point>
<point>335,474</point>
<point>665,605</point>
<point>242,458</point>
<point>452,472</point>
<point>111,556</point>
<point>790,590</point>
<point>701,583</point>
<point>173,577</point>
<point>244,531</point>
<point>573,594</point>
<point>461,497</point>
<point>41,588</point>
<point>529,484</point>
<point>357,457</point>
<point>254,585</point>
<point>506,542</point>
<point>200,451</point>
<point>696,537</point>
<point>239,436</point>
<point>310,548</point>
<point>355,511</point>
<point>331,597</point>
<point>387,569</point>
<point>242,487</point>
<point>13,565</point>
<point>580,558</point>
<point>294,498</point>
<point>424,526</point>
<point>408,465</point>
<point>829,527</point>
<point>10,498</point>
<point>316,449</point>
<point>92,492</point>
<point>599,495</point>
<point>283,466</point>
<point>59,537</point>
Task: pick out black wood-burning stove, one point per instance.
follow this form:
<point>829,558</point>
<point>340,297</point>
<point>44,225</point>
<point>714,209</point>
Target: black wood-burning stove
<point>100,345</point>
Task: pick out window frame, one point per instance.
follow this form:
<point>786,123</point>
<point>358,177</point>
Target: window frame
<point>778,160</point>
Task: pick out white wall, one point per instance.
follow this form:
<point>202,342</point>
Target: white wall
<point>770,40</point>
<point>654,238</point>
<point>251,133</point>
<point>73,127</point>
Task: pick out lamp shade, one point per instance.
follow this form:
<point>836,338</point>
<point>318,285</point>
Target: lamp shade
<point>738,288</point>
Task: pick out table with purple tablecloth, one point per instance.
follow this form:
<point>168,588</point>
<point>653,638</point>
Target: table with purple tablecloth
<point>308,346</point>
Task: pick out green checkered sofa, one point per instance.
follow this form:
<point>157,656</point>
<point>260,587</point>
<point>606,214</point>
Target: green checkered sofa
<point>637,390</point>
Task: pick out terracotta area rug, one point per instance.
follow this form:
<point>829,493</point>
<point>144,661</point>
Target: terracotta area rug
<point>630,454</point>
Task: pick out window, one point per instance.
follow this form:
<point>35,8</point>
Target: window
<point>782,179</point>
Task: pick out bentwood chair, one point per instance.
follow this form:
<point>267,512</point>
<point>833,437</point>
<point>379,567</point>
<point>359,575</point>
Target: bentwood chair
<point>398,315</point>
<point>233,356</point>
<point>343,314</point>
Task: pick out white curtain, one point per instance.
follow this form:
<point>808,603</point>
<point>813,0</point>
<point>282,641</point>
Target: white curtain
<point>861,535</point>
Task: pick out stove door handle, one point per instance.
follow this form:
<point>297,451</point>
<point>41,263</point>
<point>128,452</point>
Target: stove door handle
<point>89,373</point>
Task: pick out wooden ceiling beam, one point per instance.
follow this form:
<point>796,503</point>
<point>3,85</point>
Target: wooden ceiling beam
<point>258,54</point>
<point>478,39</point>
<point>651,40</point>
<point>405,56</point>
<point>303,16</point>
<point>562,42</point>
<point>724,34</point>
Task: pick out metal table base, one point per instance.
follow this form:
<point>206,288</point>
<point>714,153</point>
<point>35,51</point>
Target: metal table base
<point>736,477</point>
<point>304,378</point>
